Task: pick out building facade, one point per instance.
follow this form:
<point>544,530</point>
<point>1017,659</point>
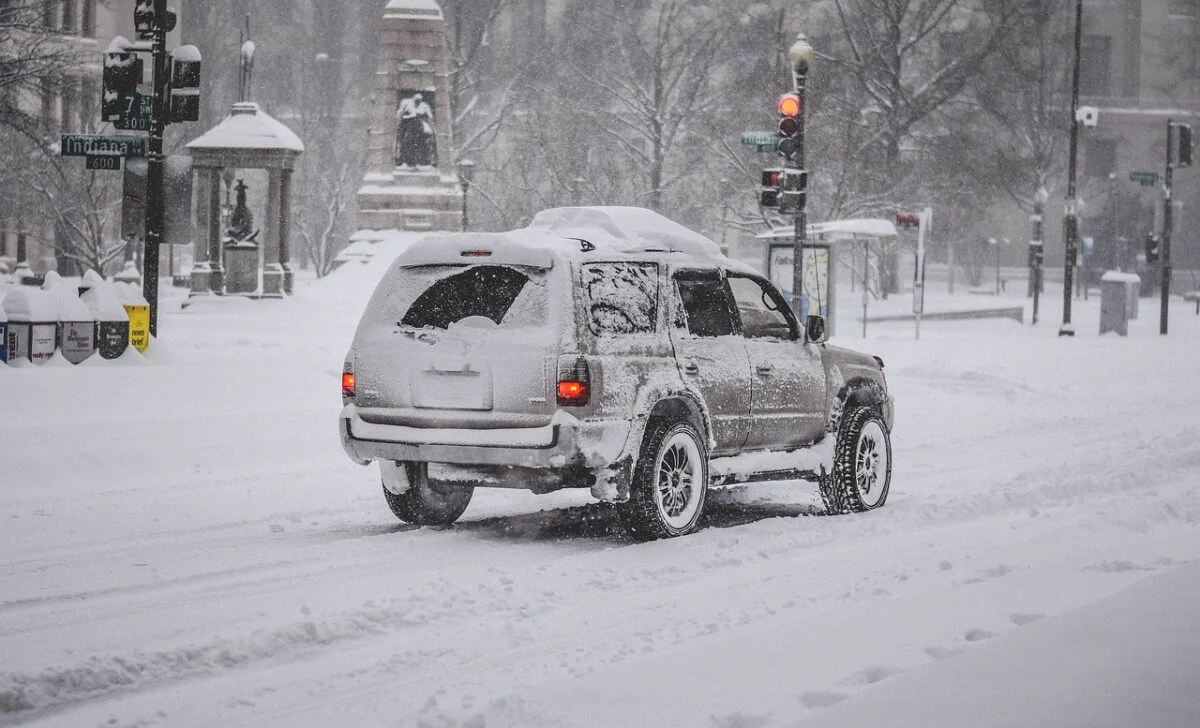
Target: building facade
<point>68,102</point>
<point>1140,67</point>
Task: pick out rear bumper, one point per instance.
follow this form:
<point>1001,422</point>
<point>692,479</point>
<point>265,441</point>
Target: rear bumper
<point>565,443</point>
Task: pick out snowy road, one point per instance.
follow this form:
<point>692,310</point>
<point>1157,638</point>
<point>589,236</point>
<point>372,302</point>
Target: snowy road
<point>183,543</point>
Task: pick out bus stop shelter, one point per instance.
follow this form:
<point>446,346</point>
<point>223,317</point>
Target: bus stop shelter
<point>821,249</point>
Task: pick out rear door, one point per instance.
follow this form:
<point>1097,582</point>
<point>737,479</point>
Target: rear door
<point>787,379</point>
<point>711,355</point>
<point>471,345</point>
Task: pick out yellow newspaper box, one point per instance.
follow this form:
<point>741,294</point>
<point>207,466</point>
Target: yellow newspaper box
<point>138,311</point>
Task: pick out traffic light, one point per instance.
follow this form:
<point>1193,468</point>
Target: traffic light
<point>768,196</point>
<point>793,193</point>
<point>907,220</point>
<point>791,112</point>
<point>145,22</point>
<point>185,84</point>
<point>1037,255</point>
<point>122,74</point>
<point>1183,149</point>
<point>1152,242</point>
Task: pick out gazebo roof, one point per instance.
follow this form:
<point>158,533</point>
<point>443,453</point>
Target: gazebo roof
<point>413,8</point>
<point>249,128</point>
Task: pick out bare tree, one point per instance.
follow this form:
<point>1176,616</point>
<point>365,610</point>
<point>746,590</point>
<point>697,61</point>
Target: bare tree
<point>322,220</point>
<point>32,54</point>
<point>83,208</point>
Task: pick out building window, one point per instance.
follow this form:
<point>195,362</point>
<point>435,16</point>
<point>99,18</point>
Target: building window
<point>1100,158</point>
<point>1184,8</point>
<point>70,17</point>
<point>71,115</point>
<point>1095,66</point>
<point>49,104</point>
<point>88,21</point>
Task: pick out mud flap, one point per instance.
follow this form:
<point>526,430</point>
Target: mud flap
<point>612,483</point>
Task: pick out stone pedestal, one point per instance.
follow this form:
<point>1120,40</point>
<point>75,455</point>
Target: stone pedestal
<point>241,269</point>
<point>412,63</point>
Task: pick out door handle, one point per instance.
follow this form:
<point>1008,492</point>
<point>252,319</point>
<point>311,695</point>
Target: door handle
<point>764,369</point>
<point>691,367</point>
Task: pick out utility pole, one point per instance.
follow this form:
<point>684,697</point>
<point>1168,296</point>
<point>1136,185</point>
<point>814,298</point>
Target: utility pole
<point>800,55</point>
<point>155,207</point>
<point>1071,216</point>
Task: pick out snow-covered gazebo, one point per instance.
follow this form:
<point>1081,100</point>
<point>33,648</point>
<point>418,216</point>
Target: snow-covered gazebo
<point>246,139</point>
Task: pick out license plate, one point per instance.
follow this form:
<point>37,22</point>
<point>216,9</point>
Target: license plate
<point>466,390</point>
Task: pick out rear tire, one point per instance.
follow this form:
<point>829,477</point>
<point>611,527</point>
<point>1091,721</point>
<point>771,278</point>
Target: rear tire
<point>425,503</point>
<point>862,464</point>
<point>670,482</point>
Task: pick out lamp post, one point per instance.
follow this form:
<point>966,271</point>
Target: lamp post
<point>1071,216</point>
<point>466,172</point>
<point>1037,249</point>
<point>800,55</point>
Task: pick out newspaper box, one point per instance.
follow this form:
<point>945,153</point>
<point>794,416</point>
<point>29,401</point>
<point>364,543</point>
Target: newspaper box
<point>112,323</point>
<point>138,311</point>
<point>76,324</point>
<point>3,330</point>
<point>32,324</point>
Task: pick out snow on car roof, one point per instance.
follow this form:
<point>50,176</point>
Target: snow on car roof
<point>576,233</point>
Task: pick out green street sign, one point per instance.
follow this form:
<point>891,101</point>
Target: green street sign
<point>764,141</point>
<point>81,145</point>
<point>137,113</point>
<point>1145,179</point>
<point>104,160</point>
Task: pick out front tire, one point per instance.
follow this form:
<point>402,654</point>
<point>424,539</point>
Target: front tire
<point>422,503</point>
<point>862,464</point>
<point>670,482</point>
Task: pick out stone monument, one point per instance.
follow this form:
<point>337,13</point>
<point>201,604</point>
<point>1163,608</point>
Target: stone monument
<point>411,182</point>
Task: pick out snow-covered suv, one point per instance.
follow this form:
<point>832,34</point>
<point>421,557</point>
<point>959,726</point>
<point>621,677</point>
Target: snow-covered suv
<point>604,348</point>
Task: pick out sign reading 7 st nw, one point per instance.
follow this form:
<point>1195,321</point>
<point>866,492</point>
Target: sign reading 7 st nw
<point>81,145</point>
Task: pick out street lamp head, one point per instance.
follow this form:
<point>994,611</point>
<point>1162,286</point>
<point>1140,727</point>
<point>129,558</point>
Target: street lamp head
<point>466,171</point>
<point>800,55</point>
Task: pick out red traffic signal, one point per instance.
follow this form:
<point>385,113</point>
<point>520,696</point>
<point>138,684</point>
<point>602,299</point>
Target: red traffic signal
<point>907,220</point>
<point>790,106</point>
<point>771,177</point>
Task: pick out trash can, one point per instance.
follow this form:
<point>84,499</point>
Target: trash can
<point>112,323</point>
<point>138,311</point>
<point>76,325</point>
<point>32,324</point>
<point>1118,301</point>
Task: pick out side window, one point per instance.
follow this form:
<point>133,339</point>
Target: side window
<point>763,311</point>
<point>705,303</point>
<point>621,298</point>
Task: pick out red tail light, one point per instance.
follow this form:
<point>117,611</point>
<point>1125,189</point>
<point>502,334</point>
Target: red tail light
<point>348,384</point>
<point>574,384</point>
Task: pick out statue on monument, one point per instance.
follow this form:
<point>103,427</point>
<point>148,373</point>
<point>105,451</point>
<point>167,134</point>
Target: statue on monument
<point>416,138</point>
<point>241,222</point>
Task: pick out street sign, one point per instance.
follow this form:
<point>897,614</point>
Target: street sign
<point>763,141</point>
<point>104,160</point>
<point>1145,179</point>
<point>81,145</point>
<point>137,113</point>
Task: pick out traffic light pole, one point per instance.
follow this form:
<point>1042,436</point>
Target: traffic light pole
<point>801,216</point>
<point>155,209</point>
<point>1071,218</point>
<point>1164,256</point>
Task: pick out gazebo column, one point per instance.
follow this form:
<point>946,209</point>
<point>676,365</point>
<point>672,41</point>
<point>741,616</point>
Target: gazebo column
<point>216,260</point>
<point>272,278</point>
<point>201,280</point>
<point>285,229</point>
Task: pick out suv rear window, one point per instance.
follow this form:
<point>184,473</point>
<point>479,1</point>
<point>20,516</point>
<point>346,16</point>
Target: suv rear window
<point>621,298</point>
<point>441,296</point>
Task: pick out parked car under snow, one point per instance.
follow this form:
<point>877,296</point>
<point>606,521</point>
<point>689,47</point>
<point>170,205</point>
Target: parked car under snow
<point>604,348</point>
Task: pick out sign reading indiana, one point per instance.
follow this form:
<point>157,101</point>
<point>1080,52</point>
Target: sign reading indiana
<point>81,145</point>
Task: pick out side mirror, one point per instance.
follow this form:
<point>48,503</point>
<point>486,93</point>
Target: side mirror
<point>815,330</point>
